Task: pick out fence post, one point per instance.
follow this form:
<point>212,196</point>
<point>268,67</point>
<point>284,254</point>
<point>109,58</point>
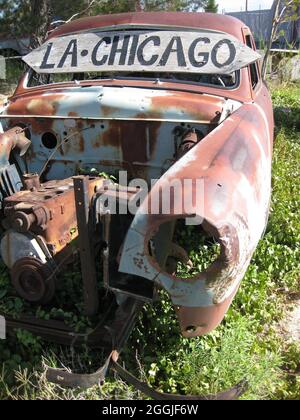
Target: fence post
<point>2,68</point>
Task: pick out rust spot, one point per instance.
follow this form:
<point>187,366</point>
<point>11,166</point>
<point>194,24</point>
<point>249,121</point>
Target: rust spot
<point>204,319</point>
<point>111,136</point>
<point>36,125</point>
<point>108,111</point>
<point>41,107</point>
<point>204,108</point>
<point>38,105</point>
<point>81,144</point>
<point>135,139</point>
<point>61,150</point>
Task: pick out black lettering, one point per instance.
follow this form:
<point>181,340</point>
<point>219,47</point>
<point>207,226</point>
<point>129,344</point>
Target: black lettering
<point>122,50</point>
<point>171,49</point>
<point>140,52</point>
<point>71,50</point>
<point>204,55</point>
<point>45,65</point>
<point>107,41</point>
<point>232,53</point>
<point>133,49</point>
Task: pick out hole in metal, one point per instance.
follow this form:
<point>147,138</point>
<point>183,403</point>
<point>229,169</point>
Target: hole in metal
<point>49,140</point>
<point>191,329</point>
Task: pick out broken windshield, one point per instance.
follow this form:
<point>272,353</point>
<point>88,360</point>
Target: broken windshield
<point>217,80</point>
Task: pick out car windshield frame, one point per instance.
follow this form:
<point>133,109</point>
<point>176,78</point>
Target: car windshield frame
<point>121,76</point>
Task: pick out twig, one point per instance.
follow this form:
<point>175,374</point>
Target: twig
<point>91,4</point>
<point>277,20</point>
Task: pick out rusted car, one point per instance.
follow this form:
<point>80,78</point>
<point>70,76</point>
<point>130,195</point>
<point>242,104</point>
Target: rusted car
<point>173,97</point>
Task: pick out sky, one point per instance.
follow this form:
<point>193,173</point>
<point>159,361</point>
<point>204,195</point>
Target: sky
<point>238,5</point>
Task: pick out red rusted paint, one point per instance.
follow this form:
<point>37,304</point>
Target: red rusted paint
<point>227,24</point>
<point>207,109</point>
<point>204,319</point>
<point>35,104</point>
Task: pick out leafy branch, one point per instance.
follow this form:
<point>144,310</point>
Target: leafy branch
<point>282,11</point>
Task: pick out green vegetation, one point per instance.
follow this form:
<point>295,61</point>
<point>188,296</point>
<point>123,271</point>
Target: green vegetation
<point>287,103</point>
<point>14,71</point>
<point>25,17</point>
<point>211,6</point>
<point>249,344</point>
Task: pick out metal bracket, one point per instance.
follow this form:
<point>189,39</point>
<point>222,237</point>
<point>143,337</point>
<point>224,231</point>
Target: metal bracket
<point>87,257</point>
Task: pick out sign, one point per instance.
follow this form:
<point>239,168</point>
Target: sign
<point>2,328</point>
<point>2,68</point>
<point>149,51</point>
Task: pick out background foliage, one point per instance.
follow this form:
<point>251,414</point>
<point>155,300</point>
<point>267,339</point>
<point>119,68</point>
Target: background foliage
<point>31,17</point>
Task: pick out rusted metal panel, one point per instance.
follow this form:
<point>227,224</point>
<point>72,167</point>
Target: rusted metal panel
<point>122,128</point>
<point>234,162</point>
<point>107,103</point>
<point>226,24</point>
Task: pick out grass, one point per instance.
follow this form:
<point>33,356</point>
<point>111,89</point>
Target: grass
<point>249,344</point>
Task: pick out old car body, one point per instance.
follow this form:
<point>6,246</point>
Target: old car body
<point>141,123</point>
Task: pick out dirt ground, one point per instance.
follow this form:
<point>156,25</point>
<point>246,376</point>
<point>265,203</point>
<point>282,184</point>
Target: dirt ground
<point>292,327</point>
<point>289,327</point>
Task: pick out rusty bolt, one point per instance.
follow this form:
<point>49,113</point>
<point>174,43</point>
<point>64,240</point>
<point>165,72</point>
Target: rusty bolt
<point>22,222</point>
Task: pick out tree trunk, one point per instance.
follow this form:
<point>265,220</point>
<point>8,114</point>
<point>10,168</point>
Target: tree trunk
<point>41,17</point>
<point>138,6</point>
<point>274,25</point>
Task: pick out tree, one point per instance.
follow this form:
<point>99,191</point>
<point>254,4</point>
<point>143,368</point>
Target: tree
<point>33,17</point>
<point>211,6</point>
<point>25,18</point>
<point>282,11</point>
<point>40,26</point>
<point>120,6</point>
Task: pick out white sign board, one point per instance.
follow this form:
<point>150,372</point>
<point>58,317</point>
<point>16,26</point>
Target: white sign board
<point>2,68</point>
<point>149,51</point>
<point>2,328</point>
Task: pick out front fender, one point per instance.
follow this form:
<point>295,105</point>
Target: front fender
<point>234,165</point>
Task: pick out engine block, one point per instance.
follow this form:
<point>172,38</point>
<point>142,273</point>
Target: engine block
<point>40,224</point>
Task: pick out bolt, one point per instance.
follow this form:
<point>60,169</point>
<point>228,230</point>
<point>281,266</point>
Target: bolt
<point>18,224</point>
